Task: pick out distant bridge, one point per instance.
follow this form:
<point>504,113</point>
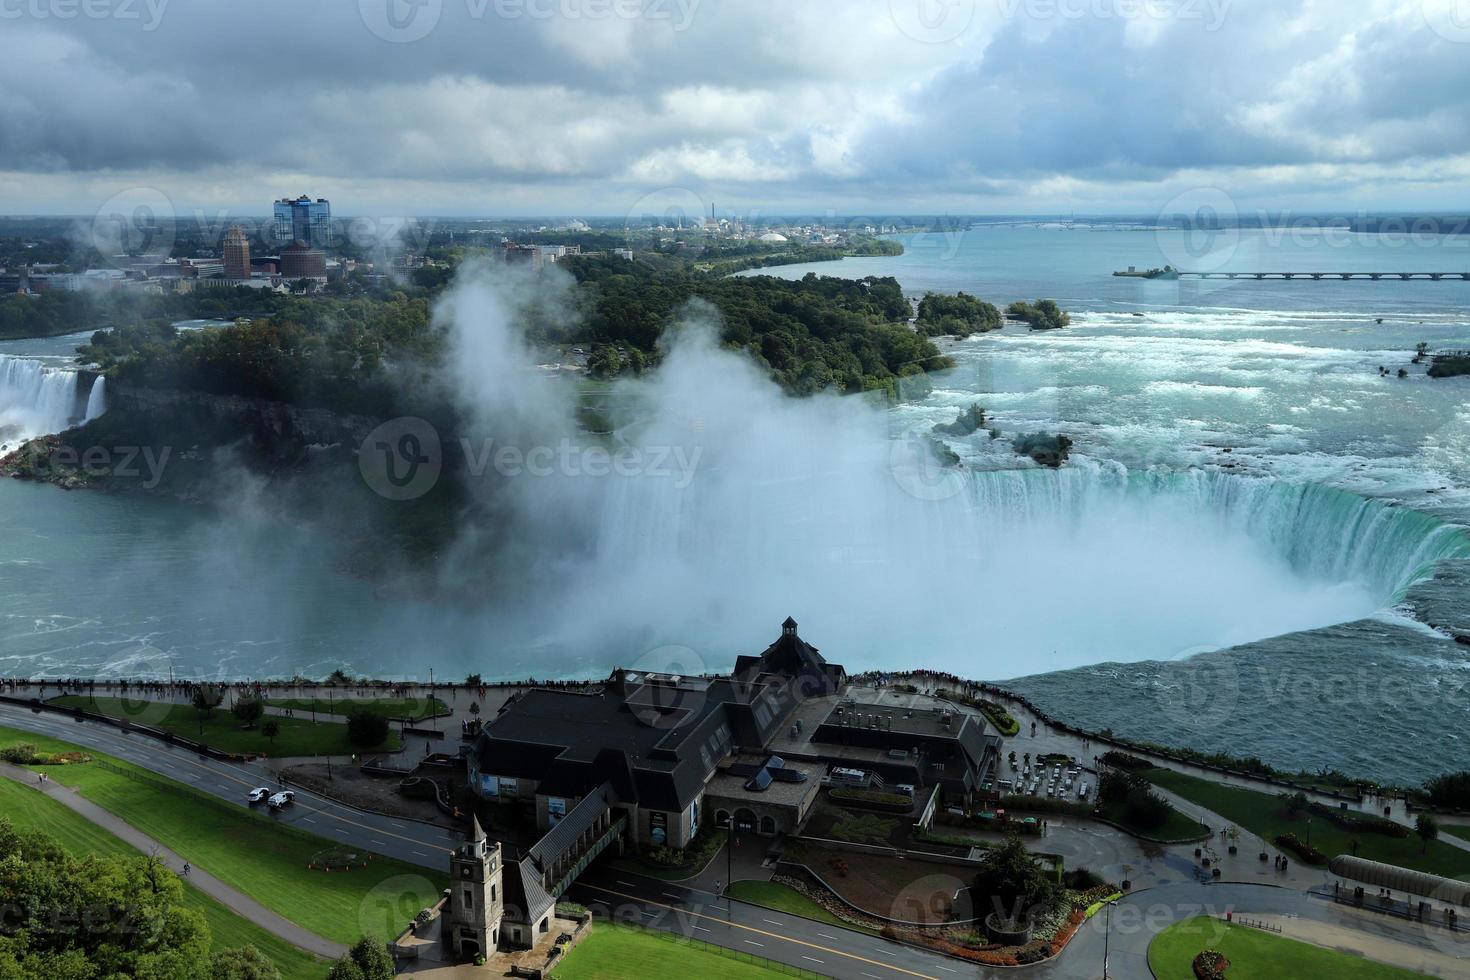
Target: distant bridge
<point>1182,274</point>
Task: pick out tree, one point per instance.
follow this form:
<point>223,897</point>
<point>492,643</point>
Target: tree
<point>372,958</point>
<point>94,917</point>
<point>346,969</point>
<point>244,963</point>
<point>1011,883</point>
<point>248,709</point>
<point>1427,828</point>
<point>270,730</point>
<point>207,697</point>
<point>1450,791</point>
<point>366,729</point>
<point>1296,804</point>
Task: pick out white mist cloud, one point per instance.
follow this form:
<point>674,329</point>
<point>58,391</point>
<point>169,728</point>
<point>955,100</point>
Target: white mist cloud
<point>801,507</point>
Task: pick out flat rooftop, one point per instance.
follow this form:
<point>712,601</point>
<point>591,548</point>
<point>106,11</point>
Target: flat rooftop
<point>899,719</point>
<point>732,787</point>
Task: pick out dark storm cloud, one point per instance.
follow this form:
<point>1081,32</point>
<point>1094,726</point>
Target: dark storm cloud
<point>507,102</point>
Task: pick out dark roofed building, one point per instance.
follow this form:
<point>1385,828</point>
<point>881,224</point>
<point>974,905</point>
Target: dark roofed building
<point>654,740</point>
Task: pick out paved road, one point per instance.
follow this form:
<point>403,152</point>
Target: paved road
<point>237,902</point>
<point>408,840</point>
<point>704,916</point>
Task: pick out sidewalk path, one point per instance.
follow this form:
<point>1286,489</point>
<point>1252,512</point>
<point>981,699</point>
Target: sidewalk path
<point>241,904</point>
<point>1380,949</point>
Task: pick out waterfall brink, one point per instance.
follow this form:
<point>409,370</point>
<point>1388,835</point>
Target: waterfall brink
<point>1012,571</point>
<point>97,400</point>
<point>35,399</point>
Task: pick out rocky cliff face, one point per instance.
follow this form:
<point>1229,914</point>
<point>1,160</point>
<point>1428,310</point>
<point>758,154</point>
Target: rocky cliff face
<point>272,419</point>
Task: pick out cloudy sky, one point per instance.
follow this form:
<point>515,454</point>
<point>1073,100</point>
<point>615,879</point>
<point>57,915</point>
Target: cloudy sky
<point>595,107</point>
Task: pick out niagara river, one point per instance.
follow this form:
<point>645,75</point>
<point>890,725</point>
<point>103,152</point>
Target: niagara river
<point>1256,504</point>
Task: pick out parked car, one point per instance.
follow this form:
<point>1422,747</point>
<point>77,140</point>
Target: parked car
<point>282,799</point>
<point>259,794</point>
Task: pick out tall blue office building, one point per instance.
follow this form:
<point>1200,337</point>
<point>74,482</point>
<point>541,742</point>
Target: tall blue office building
<point>304,220</point>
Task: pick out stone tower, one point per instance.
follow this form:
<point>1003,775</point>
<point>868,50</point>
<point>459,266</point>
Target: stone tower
<point>476,897</point>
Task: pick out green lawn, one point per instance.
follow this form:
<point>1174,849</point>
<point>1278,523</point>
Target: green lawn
<point>298,736</point>
<point>1177,827</point>
<point>394,709</point>
<point>1256,955</point>
<point>620,952</point>
<point>250,851</point>
<point>783,899</point>
<point>30,810</point>
<point>1264,815</point>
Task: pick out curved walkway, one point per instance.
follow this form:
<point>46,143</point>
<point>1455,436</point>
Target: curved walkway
<point>237,902</point>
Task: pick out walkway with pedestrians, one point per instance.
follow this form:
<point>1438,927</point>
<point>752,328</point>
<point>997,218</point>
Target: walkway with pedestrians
<point>237,902</point>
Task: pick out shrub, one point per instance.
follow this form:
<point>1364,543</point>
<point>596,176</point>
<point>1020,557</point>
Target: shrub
<point>247,710</point>
<point>365,729</point>
<point>1299,847</point>
<point>1122,760</point>
<point>1366,823</point>
<point>872,797</point>
<point>1452,790</point>
<point>1081,879</point>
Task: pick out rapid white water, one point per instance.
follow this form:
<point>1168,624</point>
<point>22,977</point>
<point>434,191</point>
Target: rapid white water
<point>35,399</point>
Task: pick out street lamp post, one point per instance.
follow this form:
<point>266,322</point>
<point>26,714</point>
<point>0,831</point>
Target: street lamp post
<point>729,866</point>
<point>1107,934</point>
